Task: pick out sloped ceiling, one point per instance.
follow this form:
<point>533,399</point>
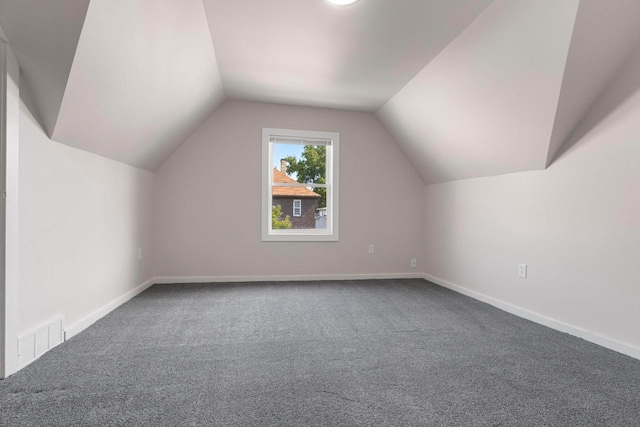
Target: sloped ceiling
<point>605,35</point>
<point>468,88</point>
<point>143,79</point>
<point>485,106</point>
<point>313,53</point>
<point>43,37</point>
<point>128,80</point>
<point>507,93</point>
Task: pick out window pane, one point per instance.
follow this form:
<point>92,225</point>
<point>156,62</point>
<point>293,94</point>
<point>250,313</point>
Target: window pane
<point>300,185</point>
<point>297,208</point>
<point>301,163</point>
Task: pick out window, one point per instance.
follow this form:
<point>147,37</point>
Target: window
<point>299,185</point>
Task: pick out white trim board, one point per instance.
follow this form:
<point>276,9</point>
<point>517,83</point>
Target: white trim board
<point>586,335</point>
<point>9,215</point>
<point>288,278</point>
<point>82,324</point>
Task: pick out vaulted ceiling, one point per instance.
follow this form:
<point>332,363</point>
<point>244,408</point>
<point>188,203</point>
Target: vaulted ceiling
<point>312,53</point>
<point>467,88</point>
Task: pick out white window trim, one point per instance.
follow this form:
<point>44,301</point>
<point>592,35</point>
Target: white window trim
<point>330,234</point>
<point>299,208</point>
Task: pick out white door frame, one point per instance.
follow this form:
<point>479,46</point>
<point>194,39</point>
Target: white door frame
<point>9,126</point>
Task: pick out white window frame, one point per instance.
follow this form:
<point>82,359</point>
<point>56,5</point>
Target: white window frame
<point>299,207</point>
<point>302,137</point>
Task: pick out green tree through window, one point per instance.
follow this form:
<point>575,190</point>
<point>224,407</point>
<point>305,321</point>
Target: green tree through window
<point>276,222</point>
<point>311,168</point>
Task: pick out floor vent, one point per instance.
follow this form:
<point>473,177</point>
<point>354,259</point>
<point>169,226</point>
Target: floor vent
<point>40,340</point>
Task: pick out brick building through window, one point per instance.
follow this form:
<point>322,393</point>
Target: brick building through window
<point>299,203</point>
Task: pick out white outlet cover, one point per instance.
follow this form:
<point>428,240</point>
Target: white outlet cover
<point>522,271</point>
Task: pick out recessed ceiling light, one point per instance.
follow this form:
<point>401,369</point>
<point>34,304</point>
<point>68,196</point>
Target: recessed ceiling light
<point>342,2</point>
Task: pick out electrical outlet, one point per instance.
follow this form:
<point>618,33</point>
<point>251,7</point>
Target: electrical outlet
<point>139,254</point>
<point>522,271</point>
<point>371,249</point>
<point>414,263</point>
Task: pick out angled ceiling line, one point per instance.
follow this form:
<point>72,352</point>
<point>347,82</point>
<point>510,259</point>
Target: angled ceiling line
<point>485,105</point>
<point>51,132</point>
<point>44,37</point>
<point>136,94</point>
<point>213,48</point>
<point>444,47</point>
<point>604,38</point>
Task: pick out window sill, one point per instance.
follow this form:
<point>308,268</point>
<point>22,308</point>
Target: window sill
<point>299,237</point>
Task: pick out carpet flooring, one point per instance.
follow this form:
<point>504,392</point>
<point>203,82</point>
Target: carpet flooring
<point>374,353</point>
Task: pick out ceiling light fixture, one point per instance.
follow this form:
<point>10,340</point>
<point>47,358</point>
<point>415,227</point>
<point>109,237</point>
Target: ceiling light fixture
<point>342,2</point>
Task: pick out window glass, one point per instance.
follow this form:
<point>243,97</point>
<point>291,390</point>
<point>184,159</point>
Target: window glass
<point>300,185</point>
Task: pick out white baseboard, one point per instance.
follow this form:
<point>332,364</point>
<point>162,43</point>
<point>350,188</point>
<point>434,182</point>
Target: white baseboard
<point>289,278</point>
<point>558,325</point>
<point>82,324</point>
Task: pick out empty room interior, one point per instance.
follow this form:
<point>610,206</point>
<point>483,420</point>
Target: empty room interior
<point>320,212</point>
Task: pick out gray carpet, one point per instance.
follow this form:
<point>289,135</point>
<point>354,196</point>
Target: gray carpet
<point>386,352</point>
